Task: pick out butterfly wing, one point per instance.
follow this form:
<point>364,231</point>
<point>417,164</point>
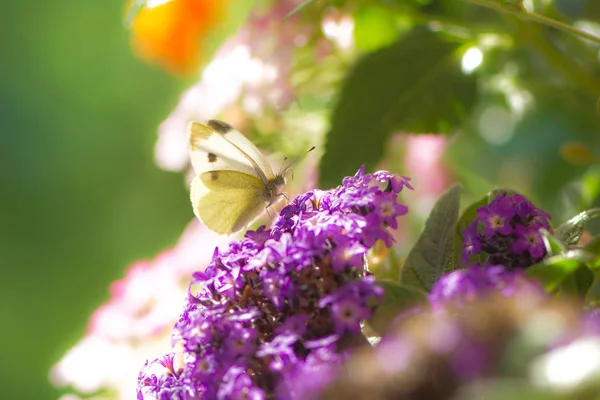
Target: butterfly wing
<point>227,201</point>
<point>216,146</point>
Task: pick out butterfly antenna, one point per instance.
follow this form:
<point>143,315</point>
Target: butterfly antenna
<point>291,164</point>
<point>283,167</point>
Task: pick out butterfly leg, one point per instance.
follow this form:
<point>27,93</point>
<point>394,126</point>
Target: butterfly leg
<point>284,195</point>
<point>267,210</point>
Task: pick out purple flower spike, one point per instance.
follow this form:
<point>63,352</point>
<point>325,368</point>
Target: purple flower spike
<point>507,232</point>
<point>283,299</point>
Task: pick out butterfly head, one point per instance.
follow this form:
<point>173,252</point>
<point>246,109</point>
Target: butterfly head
<point>273,187</point>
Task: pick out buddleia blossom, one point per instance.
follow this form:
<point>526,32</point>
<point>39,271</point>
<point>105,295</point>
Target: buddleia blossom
<point>286,299</point>
<point>507,232</point>
<point>506,327</point>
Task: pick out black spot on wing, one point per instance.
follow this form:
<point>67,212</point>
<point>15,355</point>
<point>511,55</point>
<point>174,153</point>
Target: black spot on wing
<point>219,126</point>
<point>214,175</point>
<point>212,157</point>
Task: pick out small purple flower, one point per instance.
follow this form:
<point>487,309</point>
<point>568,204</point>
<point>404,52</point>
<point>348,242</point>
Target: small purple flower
<point>472,242</point>
<point>529,239</point>
<point>280,351</point>
<point>159,380</point>
<point>348,254</point>
<point>347,314</point>
<point>495,223</point>
<point>506,232</point>
<point>238,385</point>
<point>294,324</point>
<point>308,378</point>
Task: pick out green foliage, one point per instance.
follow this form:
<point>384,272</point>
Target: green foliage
<point>374,27</point>
<point>570,231</point>
<point>592,297</point>
<point>555,269</point>
<point>432,255</point>
<point>398,298</point>
<point>415,85</point>
<point>553,244</point>
<point>590,187</point>
<point>593,248</point>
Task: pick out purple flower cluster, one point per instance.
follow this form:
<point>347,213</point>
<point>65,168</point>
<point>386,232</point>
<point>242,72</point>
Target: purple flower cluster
<point>436,353</point>
<point>444,355</point>
<point>283,300</point>
<point>476,281</point>
<point>507,232</point>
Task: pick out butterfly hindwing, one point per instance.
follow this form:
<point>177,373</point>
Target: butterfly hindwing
<point>217,146</point>
<point>227,201</point>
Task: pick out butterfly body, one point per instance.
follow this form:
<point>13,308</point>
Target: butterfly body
<point>234,183</point>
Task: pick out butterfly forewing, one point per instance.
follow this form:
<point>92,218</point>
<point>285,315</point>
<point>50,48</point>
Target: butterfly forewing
<point>217,146</point>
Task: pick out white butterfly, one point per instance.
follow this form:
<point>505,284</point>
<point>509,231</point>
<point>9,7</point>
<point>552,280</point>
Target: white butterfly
<point>234,184</point>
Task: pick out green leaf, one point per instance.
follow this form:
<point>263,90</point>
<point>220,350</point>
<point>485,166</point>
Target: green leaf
<point>470,213</point>
<point>398,298</point>
<point>374,27</point>
<point>554,270</point>
<point>593,247</point>
<point>415,85</point>
<point>590,186</point>
<point>433,255</point>
<point>570,231</point>
<point>579,282</point>
<point>297,8</point>
<point>592,297</point>
<point>553,244</point>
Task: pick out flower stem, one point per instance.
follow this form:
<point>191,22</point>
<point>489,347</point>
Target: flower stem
<point>524,14</point>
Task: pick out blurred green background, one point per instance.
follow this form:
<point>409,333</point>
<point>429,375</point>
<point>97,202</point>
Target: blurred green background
<point>81,195</point>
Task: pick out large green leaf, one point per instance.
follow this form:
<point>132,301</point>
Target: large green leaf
<point>433,255</point>
<point>415,85</point>
<point>374,27</point>
<point>578,283</point>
